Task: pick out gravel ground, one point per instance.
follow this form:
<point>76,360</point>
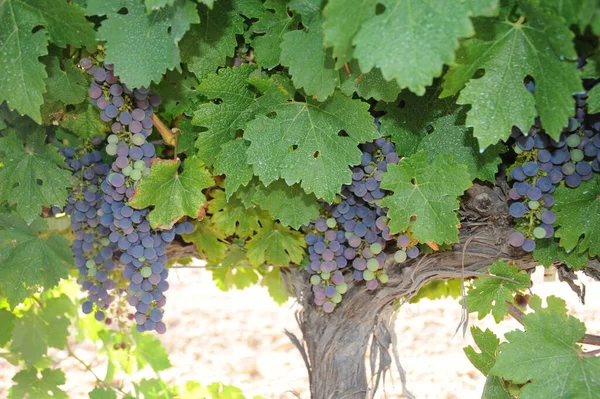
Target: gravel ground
<point>237,338</point>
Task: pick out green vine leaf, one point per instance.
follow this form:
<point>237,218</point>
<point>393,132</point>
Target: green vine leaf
<point>426,192</point>
<point>437,127</point>
<point>275,245</point>
<point>206,46</point>
<point>29,385</point>
<point>102,393</point>
<point>173,194</point>
<point>238,102</point>
<point>127,35</point>
<point>578,217</point>
<point>368,85</point>
<point>302,142</point>
<point>32,175</point>
<point>419,53</point>
<point>550,342</point>
<point>288,204</point>
<point>594,100</point>
<point>69,86</point>
<point>7,323</point>
<point>30,258</point>
<point>276,286</point>
<point>270,28</point>
<point>310,64</point>
<point>233,163</point>
<point>492,293</point>
<point>487,342</point>
<point>149,350</point>
<point>513,51</point>
<point>231,217</point>
<point>84,121</point>
<point>209,241</point>
<point>234,271</point>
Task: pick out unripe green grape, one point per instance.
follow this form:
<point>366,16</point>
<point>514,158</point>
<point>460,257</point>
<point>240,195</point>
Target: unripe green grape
<point>342,288</point>
<point>325,276</point>
<point>136,175</point>
<point>384,278</point>
<point>138,139</point>
<point>533,205</point>
<point>331,223</point>
<point>104,241</point>
<point>92,272</point>
<point>90,263</point>
<point>112,139</point>
<point>141,165</point>
<point>337,298</point>
<point>376,248</point>
<point>372,264</point>
<point>127,170</point>
<point>142,258</point>
<point>400,256</point>
<point>315,279</point>
<point>518,149</point>
<point>368,275</point>
<point>539,232</point>
<point>146,272</point>
<point>573,140</point>
<point>576,155</point>
<point>111,149</point>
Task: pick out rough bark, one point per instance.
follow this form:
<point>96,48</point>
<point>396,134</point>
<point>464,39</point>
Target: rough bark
<point>334,345</point>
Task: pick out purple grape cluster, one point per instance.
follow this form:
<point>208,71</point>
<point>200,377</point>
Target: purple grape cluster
<point>92,250</point>
<point>354,231</point>
<point>141,250</point>
<point>542,165</point>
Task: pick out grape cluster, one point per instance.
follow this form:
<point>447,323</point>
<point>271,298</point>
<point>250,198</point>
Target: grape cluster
<point>128,239</point>
<point>542,165</point>
<point>92,250</point>
<point>354,231</point>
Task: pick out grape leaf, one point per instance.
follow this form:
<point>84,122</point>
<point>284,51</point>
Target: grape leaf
<point>7,323</point>
<point>22,89</point>
<point>172,194</point>
<point>494,389</point>
<point>56,314</point>
<point>289,204</point>
<point>155,388</point>
<point>413,56</point>
<point>343,19</point>
<point>310,64</point>
<point>29,385</point>
<point>437,289</point>
<point>550,343</point>
<point>234,166</point>
<point>492,293</point>
<point>547,251</point>
<point>206,46</point>
<point>157,4</point>
<point>488,343</point>
<point>238,103</point>
<point>152,39</point>
<point>499,99</point>
<point>276,286</point>
<point>578,216</point>
<point>303,142</point>
<point>593,100</point>
<point>69,86</point>
<point>209,241</point>
<point>272,24</point>
<point>29,338</point>
<point>84,121</point>
<point>63,24</point>
<point>149,350</point>
<point>426,191</point>
<point>275,245</point>
<point>179,93</point>
<point>437,127</point>
<point>234,271</point>
<point>31,176</point>
<point>232,218</point>
<point>368,85</point>
<point>102,393</point>
<point>484,8</point>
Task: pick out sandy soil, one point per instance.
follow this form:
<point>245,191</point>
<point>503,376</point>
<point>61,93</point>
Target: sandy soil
<point>237,338</point>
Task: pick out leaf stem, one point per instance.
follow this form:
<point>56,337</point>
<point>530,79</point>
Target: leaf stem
<point>168,135</point>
